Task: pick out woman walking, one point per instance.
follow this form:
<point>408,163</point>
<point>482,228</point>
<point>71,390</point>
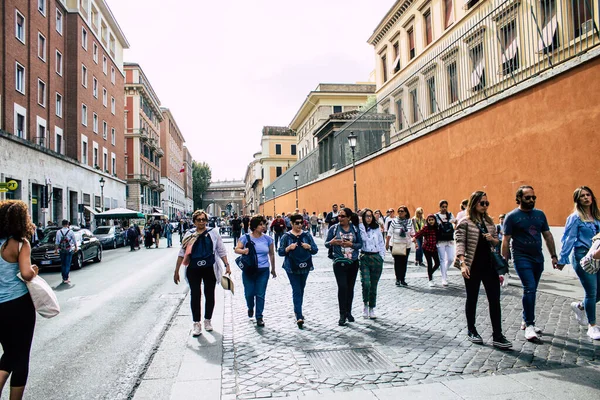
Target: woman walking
<point>17,314</point>
<point>427,237</point>
<point>255,284</point>
<point>582,225</point>
<point>475,236</point>
<point>418,223</point>
<point>371,261</point>
<point>297,247</point>
<point>400,232</point>
<point>345,241</point>
<point>198,251</point>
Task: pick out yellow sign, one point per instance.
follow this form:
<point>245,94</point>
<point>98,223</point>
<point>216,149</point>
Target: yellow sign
<point>10,185</point>
<point>3,190</point>
<point>33,201</point>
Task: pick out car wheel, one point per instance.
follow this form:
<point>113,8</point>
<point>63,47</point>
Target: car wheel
<point>78,264</point>
<point>114,243</point>
<point>98,257</point>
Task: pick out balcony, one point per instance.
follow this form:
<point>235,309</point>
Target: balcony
<point>161,188</point>
<point>140,133</point>
<point>153,185</point>
<point>139,178</point>
<point>160,152</point>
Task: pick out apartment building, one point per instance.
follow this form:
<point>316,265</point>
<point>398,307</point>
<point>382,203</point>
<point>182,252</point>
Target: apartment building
<point>253,185</point>
<point>172,169</point>
<point>44,97</point>
<point>320,103</point>
<point>188,184</point>
<point>143,153</point>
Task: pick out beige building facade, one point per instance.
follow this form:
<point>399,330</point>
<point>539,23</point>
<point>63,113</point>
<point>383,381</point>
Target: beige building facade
<point>188,182</point>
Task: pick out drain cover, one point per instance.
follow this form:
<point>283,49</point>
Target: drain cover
<point>350,361</point>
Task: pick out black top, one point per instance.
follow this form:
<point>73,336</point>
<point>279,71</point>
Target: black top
<point>482,258</point>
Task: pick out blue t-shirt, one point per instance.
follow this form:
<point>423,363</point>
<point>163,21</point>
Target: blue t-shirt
<point>11,287</point>
<point>262,245</point>
<point>526,229</point>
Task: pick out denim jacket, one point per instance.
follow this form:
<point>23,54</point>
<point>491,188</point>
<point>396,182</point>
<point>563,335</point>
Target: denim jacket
<point>289,238</point>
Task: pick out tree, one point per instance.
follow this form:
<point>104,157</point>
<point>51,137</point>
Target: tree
<point>201,175</point>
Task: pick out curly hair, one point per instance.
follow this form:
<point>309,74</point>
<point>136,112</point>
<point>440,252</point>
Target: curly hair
<point>15,221</point>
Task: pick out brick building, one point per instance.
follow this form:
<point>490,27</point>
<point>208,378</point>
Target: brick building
<point>188,185</point>
<point>172,169</point>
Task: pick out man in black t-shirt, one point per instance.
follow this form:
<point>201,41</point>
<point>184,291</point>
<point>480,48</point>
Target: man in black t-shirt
<point>236,228</point>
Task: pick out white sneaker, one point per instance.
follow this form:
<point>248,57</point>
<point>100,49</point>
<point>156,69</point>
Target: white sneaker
<point>530,333</point>
<point>372,313</point>
<point>207,325</point>
<point>444,282</point>
<point>524,325</point>
<point>431,283</point>
<point>579,314</point>
<point>366,312</point>
<point>197,329</point>
<point>594,332</point>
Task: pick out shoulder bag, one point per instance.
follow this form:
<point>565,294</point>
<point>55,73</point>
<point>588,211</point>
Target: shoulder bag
<point>399,245</point>
<point>248,262</point>
<point>498,262</point>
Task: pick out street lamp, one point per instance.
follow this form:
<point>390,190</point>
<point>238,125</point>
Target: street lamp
<point>274,215</point>
<point>263,203</point>
<point>352,142</point>
<point>296,176</point>
<point>102,182</point>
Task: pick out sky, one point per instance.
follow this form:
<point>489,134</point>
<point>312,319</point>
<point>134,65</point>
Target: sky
<point>226,69</point>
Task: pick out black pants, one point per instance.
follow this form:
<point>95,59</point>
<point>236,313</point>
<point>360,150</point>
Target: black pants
<point>400,263</point>
<point>278,236</point>
<point>429,255</point>
<point>236,236</point>
<point>18,321</point>
<point>345,276</point>
<point>486,275</point>
<point>195,276</point>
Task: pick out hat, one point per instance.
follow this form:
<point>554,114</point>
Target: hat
<point>227,283</point>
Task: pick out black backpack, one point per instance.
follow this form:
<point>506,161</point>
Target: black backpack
<point>248,262</point>
<point>445,231</point>
<point>299,258</point>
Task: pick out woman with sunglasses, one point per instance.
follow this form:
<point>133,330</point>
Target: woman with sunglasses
<point>298,247</point>
<point>400,232</point>
<point>345,241</point>
<point>198,250</point>
<point>371,261</point>
<point>582,225</point>
<point>475,237</point>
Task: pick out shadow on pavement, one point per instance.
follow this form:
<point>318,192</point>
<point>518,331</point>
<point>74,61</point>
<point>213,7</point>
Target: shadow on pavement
<point>63,286</point>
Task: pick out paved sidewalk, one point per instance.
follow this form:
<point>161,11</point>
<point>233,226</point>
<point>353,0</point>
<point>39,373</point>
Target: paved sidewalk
<point>416,347</point>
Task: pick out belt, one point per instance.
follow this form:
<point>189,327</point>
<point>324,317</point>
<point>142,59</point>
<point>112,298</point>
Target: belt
<point>370,253</point>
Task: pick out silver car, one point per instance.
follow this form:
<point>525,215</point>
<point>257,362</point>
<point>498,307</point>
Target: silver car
<point>110,236</point>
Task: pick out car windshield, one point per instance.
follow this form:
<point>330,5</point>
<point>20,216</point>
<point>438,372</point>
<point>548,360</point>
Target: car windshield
<point>103,230</point>
<point>49,238</point>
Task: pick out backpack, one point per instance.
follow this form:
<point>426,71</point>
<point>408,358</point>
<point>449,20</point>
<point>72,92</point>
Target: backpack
<point>131,233</point>
<point>208,258</point>
<point>299,258</point>
<point>337,229</point>
<point>445,229</point>
<point>248,262</point>
<point>64,244</point>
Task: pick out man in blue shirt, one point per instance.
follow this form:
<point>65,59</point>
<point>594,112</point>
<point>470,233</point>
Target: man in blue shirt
<point>524,228</point>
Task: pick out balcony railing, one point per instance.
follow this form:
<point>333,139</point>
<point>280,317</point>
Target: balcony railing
<point>138,178</point>
<point>159,152</point>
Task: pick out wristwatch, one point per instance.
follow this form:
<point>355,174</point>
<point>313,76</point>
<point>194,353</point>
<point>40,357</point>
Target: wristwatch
<point>462,262</point>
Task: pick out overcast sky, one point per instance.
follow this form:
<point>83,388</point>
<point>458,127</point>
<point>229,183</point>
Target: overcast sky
<point>226,69</point>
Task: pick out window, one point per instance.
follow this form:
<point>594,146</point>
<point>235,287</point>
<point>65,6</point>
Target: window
<point>428,28</point>
<point>83,75</point>
<point>278,171</point>
<point>114,164</point>
<point>293,149</point>
<point>431,95</point>
<point>42,7</point>
<point>104,65</point>
<point>452,82</point>
<point>84,115</point>
<point>95,52</point>
<point>95,87</point>
<point>41,135</point>
<point>20,78</point>
<point>20,26</point>
<point>84,150</point>
<point>582,17</point>
<point>448,13</point>
<point>549,38</point>
<point>510,48</point>
<point>384,68</point>
<point>399,114</point>
<point>414,106</point>
<point>20,125</point>
<point>41,93</point>
<point>471,3</point>
<point>113,136</point>
<point>112,105</point>
<point>59,22</point>
<point>477,68</point>
<point>337,109</point>
<point>112,75</point>
<point>104,130</point>
<point>95,123</point>
<point>105,160</point>
<point>277,150</point>
<point>58,141</point>
<point>104,97</point>
<point>411,44</point>
<point>59,63</point>
<point>95,156</point>
<point>58,105</point>
<point>84,38</point>
<point>41,47</point>
<point>396,64</point>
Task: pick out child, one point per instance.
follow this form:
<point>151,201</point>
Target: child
<point>428,233</point>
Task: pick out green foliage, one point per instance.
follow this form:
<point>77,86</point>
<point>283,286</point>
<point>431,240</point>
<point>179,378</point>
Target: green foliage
<point>201,175</point>
<point>369,105</point>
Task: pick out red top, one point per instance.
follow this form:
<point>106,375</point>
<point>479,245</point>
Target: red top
<point>429,238</point>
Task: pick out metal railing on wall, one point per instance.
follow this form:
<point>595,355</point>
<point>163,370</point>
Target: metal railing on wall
<point>503,44</point>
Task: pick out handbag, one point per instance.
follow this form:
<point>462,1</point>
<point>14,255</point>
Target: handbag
<point>248,262</point>
<point>498,262</point>
<point>588,263</point>
<point>43,297</point>
<point>399,248</point>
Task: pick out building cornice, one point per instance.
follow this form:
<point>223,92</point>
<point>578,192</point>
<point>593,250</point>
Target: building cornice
<point>390,19</point>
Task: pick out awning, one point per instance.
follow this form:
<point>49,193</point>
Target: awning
<point>548,33</point>
<point>511,51</point>
<point>396,64</point>
<point>476,75</point>
<point>118,213</point>
<point>90,210</point>
<point>157,210</point>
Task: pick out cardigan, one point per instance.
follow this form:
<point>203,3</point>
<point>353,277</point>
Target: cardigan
<point>466,237</point>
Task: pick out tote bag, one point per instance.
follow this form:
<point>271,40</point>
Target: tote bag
<point>43,297</point>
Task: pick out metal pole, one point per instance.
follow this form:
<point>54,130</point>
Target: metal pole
<point>296,194</point>
<point>354,172</point>
<point>273,206</point>
<point>102,197</point>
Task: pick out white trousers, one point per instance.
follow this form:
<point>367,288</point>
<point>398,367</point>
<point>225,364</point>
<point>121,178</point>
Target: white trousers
<point>446,253</point>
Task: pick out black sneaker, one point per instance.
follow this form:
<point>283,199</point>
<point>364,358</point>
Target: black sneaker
<point>403,283</point>
<point>342,321</point>
<point>397,283</point>
<point>250,313</point>
<point>502,343</point>
<point>260,322</point>
<point>300,323</point>
<point>474,337</point>
<point>350,318</point>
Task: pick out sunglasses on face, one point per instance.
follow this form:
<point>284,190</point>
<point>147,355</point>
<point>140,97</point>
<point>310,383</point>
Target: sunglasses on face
<point>368,216</point>
<point>530,198</point>
<point>484,203</point>
<point>297,222</point>
<point>201,219</point>
<point>342,216</point>
<point>401,211</point>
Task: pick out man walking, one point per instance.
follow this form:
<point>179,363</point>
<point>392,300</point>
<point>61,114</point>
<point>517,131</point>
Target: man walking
<point>445,239</point>
<point>332,218</point>
<point>389,217</point>
<point>278,226</point>
<point>524,228</point>
<point>314,223</point>
<point>169,233</point>
<point>65,244</point>
<point>236,228</point>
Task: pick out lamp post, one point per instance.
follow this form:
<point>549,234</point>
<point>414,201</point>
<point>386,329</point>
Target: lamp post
<point>296,176</point>
<point>102,182</point>
<point>352,142</point>
<point>274,202</point>
<point>263,203</point>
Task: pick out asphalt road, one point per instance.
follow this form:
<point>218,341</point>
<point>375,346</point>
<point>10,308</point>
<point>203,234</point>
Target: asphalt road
<point>112,316</point>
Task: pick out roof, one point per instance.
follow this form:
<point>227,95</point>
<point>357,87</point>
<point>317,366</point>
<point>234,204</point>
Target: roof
<point>277,131</point>
<point>368,116</point>
<point>388,21</point>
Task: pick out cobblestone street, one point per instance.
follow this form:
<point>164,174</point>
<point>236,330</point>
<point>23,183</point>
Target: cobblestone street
<point>418,337</point>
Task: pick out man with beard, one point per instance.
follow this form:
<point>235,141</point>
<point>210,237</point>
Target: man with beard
<point>524,228</point>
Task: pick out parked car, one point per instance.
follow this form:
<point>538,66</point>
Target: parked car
<point>88,248</point>
<point>110,236</point>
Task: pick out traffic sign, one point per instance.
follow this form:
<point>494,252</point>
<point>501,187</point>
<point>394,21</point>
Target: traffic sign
<point>10,185</point>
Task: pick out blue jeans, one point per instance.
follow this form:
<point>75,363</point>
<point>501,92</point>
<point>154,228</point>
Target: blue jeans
<point>255,286</point>
<point>419,253</point>
<point>530,273</point>
<point>278,236</point>
<point>169,239</point>
<point>298,282</point>
<point>314,230</point>
<point>65,264</point>
<point>590,283</point>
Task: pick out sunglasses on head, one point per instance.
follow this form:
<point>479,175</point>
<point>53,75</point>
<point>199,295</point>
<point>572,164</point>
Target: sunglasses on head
<point>530,198</point>
<point>484,203</point>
